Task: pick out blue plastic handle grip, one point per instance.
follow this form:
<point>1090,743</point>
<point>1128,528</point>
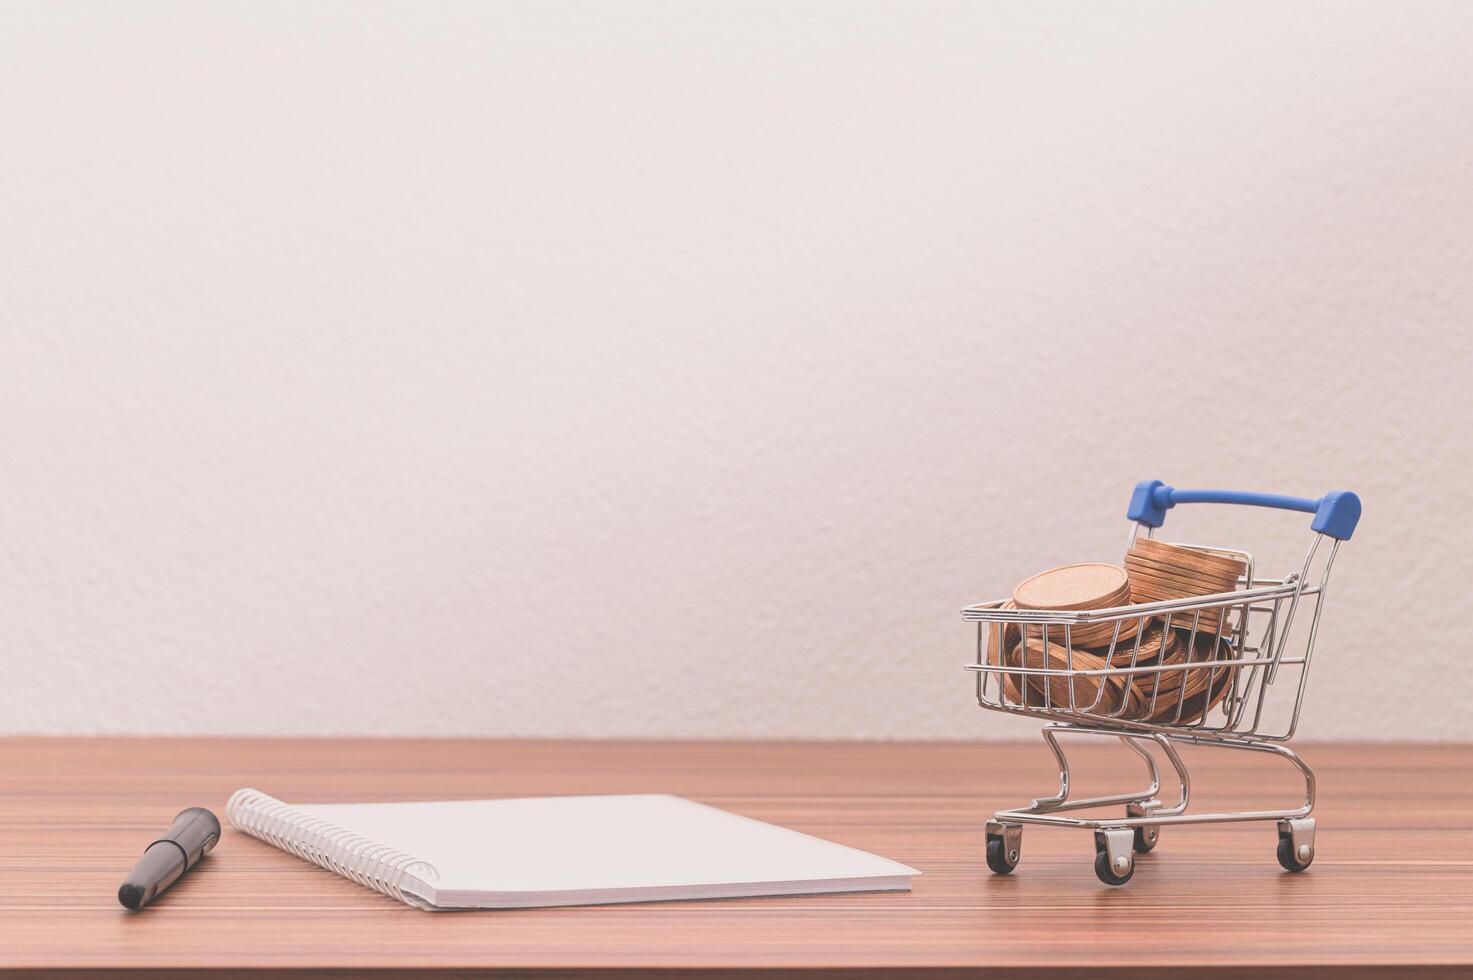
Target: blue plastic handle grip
<point>1335,514</point>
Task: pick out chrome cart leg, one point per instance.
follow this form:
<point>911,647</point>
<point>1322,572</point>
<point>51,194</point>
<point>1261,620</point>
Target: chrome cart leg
<point>1042,810</point>
<point>1004,846</point>
<point>1052,813</point>
<point>1146,835</point>
<point>1296,843</point>
<point>1047,802</point>
<point>1145,814</point>
<point>1060,800</point>
<point>1149,799</point>
<point>1115,855</point>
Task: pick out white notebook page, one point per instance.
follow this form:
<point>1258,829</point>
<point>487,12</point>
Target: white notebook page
<point>585,849</point>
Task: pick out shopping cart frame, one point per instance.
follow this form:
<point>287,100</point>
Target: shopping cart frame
<point>1259,617</point>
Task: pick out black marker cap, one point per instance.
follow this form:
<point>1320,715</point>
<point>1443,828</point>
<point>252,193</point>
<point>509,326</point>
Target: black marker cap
<point>189,838</point>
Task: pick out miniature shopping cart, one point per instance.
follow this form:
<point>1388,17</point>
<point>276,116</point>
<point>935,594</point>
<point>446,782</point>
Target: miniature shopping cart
<point>1263,634</point>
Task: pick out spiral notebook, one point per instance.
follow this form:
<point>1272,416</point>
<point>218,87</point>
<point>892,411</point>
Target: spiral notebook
<point>559,850</point>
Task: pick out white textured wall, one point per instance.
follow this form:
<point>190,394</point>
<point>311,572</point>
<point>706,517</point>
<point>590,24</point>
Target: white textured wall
<point>681,369</point>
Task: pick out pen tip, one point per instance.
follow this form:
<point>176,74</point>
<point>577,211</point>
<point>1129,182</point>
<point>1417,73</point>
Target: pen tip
<point>131,895</point>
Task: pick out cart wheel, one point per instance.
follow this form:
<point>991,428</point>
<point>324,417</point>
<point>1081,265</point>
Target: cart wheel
<point>1002,857</point>
<point>1146,839</point>
<point>1296,843</point>
<point>1290,860</point>
<point>1107,874</point>
<point>1114,856</point>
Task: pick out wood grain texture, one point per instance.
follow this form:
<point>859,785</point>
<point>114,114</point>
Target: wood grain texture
<point>1390,892</point>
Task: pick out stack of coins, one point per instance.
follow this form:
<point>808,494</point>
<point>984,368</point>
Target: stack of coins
<point>1093,693</point>
<point>1170,571</point>
<point>1170,696</point>
<point>1089,585</point>
<point>1156,645</point>
<point>1186,691</point>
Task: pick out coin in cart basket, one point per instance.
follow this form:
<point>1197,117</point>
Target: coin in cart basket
<point>1221,580</point>
<point>1156,643</point>
<point>1160,571</point>
<point>1182,694</point>
<point>1149,588</point>
<point>1087,585</point>
<point>1094,693</point>
<point>1006,631</point>
<point>1181,582</point>
<point>1186,557</point>
<point>1080,587</point>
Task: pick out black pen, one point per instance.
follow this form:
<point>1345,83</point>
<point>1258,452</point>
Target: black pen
<point>189,838</point>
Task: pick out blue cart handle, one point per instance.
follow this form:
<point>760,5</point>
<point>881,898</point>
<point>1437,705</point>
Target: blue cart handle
<point>1335,514</point>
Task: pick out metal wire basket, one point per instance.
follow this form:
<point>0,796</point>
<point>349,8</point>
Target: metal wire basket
<point>1240,654</point>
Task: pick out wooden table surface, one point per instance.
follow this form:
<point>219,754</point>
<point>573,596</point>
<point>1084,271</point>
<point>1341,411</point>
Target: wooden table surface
<point>1390,892</point>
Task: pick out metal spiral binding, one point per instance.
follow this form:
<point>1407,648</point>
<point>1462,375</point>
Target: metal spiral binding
<point>325,844</point>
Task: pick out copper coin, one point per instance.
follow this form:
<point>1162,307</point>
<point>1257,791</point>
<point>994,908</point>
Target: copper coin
<point>1007,633</point>
<point>1209,619</point>
<point>1155,644</point>
<point>1055,692</point>
<point>1221,583</point>
<point>1187,586</point>
<point>1168,680</point>
<point>1204,651</point>
<point>1084,636</point>
<point>1194,703</point>
<point>1149,592</point>
<point>1199,582</point>
<point>1178,568</point>
<point>1195,683</point>
<point>1186,553</point>
<point>1207,622</point>
<point>1157,582</point>
<point>1055,656</point>
<point>1088,585</point>
<point>1180,554</point>
<point>1157,589</point>
<point>1129,630</point>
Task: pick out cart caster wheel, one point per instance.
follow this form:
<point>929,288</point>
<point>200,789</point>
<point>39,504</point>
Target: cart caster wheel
<point>997,857</point>
<point>1004,846</point>
<point>1288,856</point>
<point>1114,855</point>
<point>1146,839</point>
<point>1296,844</point>
<point>1289,859</point>
<point>1106,872</point>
